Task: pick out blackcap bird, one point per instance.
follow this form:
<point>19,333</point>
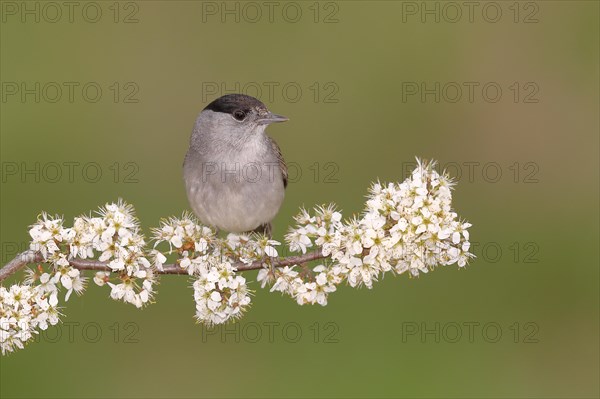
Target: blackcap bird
<point>234,173</point>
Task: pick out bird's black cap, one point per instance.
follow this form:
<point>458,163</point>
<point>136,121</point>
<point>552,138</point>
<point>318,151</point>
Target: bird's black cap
<point>233,102</point>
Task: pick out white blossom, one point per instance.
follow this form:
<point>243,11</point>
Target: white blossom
<point>72,280</point>
<point>47,234</point>
<point>408,226</point>
<point>101,278</point>
<point>220,295</point>
<point>23,310</point>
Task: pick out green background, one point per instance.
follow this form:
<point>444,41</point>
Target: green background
<point>539,227</point>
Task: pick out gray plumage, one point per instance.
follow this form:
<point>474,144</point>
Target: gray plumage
<point>234,173</point>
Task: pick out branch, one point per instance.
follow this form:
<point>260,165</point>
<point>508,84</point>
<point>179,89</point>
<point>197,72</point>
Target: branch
<point>24,258</point>
<point>19,262</point>
<point>405,227</point>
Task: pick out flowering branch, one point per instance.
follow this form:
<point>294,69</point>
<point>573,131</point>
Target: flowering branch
<point>405,227</point>
<point>30,256</point>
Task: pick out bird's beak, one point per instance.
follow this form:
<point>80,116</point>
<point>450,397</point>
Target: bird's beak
<point>272,118</point>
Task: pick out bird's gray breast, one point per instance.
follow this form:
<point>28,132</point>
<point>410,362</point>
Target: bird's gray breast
<point>235,189</point>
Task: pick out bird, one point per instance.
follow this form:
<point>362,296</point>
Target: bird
<point>235,174</point>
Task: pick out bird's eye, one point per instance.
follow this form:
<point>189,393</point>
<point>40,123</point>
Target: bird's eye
<point>239,115</point>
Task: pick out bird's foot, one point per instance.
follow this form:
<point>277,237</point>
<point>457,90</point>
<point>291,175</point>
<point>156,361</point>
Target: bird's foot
<point>266,229</point>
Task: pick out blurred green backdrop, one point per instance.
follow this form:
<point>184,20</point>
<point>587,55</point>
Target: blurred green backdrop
<point>350,76</point>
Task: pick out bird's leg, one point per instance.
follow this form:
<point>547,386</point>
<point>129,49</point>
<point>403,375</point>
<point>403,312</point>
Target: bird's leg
<point>266,229</point>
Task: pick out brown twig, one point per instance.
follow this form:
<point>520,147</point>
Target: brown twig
<point>27,257</point>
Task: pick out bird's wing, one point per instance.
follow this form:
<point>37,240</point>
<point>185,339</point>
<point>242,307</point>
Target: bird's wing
<point>282,165</point>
